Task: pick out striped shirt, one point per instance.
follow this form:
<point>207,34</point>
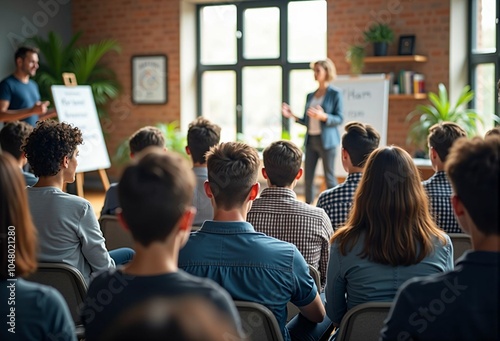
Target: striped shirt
<point>279,214</point>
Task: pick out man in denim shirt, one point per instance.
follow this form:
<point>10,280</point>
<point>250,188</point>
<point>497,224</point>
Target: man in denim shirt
<point>249,265</point>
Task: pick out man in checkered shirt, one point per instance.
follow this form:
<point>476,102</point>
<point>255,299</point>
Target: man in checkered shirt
<point>358,141</point>
<point>279,214</point>
<point>440,139</point>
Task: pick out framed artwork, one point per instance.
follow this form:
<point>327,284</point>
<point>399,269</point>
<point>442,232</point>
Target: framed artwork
<point>406,45</point>
<point>149,79</point>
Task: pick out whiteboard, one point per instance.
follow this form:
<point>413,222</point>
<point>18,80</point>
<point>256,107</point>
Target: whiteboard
<point>365,99</point>
<point>75,105</point>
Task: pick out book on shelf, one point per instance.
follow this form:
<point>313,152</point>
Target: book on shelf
<point>411,82</point>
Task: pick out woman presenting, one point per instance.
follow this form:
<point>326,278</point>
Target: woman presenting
<point>323,114</point>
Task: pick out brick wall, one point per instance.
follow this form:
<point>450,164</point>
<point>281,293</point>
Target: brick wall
<point>152,27</point>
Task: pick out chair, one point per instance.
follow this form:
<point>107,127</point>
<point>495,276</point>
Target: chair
<point>461,243</point>
<point>291,308</point>
<point>69,282</point>
<point>363,322</point>
<point>258,322</point>
<point>116,236</point>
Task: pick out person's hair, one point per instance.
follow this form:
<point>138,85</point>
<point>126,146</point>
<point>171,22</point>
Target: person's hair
<point>154,193</point>
<point>493,131</point>
<point>12,137</point>
<point>473,168</point>
<point>232,171</point>
<point>359,140</point>
<point>202,135</point>
<point>327,65</point>
<point>282,160</point>
<point>48,144</point>
<point>16,227</point>
<point>442,135</point>
<point>22,51</point>
<point>161,318</point>
<point>146,137</point>
<point>390,208</point>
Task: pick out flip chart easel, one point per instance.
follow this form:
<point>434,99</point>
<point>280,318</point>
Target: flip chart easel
<point>69,80</point>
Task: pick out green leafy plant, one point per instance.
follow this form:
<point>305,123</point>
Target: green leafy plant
<point>379,33</point>
<point>355,55</point>
<point>83,61</point>
<point>441,110</point>
<point>175,140</point>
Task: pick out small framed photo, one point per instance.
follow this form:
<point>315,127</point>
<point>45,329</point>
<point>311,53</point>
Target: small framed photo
<point>149,79</point>
<point>406,45</point>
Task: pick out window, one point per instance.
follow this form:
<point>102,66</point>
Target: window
<point>252,56</point>
<point>484,56</point>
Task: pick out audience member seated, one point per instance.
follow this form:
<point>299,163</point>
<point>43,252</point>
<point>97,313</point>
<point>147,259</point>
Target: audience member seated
<point>358,141</point>
<point>184,319</point>
<point>30,311</point>
<point>12,137</point>
<point>440,139</point>
<point>155,195</point>
<point>279,214</point>
<point>462,304</point>
<point>145,137</point>
<point>493,131</point>
<point>202,135</point>
<point>388,238</point>
<point>249,265</point>
<point>67,226</point>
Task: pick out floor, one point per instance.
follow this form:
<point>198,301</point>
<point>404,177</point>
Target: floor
<point>96,198</point>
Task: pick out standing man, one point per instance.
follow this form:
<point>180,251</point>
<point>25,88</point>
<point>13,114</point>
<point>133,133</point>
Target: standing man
<point>19,95</point>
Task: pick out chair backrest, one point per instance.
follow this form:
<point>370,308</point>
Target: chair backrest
<point>461,243</point>
<point>363,322</point>
<point>291,308</point>
<point>116,236</point>
<point>67,280</point>
<point>258,322</point>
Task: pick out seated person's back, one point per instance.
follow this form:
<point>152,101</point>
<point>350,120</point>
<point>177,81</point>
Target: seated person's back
<point>155,196</point>
<point>249,265</point>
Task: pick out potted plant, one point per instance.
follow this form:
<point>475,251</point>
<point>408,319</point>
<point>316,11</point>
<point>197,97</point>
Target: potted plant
<point>355,55</point>
<point>441,110</point>
<point>380,35</point>
<point>83,61</point>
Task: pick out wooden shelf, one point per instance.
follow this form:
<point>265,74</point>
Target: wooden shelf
<point>406,97</point>
<point>396,59</point>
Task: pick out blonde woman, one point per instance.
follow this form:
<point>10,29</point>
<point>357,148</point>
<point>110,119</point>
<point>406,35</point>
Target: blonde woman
<point>389,236</point>
<point>323,115</point>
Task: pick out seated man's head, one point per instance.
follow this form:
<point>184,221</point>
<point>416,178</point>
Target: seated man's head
<point>358,141</point>
<point>146,137</point>
<point>282,163</point>
<point>12,137</point>
<point>155,196</point>
<point>473,167</point>
<point>52,147</point>
<point>232,174</point>
<point>202,135</point>
<point>440,139</point>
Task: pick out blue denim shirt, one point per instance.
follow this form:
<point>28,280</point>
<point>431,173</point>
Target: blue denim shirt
<point>250,266</point>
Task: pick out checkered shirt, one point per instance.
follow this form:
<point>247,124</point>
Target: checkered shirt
<point>439,192</point>
<point>279,214</point>
<point>337,201</point>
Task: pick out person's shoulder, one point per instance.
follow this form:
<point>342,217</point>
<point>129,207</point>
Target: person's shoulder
<point>36,292</point>
<point>333,89</point>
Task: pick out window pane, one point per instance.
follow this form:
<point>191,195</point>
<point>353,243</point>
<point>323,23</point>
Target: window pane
<point>485,93</point>
<point>485,34</point>
<point>261,105</point>
<point>261,29</point>
<point>301,83</point>
<point>219,101</point>
<point>306,31</point>
<point>218,34</point>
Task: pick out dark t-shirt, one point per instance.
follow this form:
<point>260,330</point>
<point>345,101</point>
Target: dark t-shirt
<point>112,292</point>
<point>20,95</point>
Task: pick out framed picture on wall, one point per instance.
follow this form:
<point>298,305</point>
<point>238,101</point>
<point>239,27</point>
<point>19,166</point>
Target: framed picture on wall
<point>406,45</point>
<point>149,79</point>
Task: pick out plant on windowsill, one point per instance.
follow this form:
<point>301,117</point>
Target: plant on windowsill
<point>380,35</point>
